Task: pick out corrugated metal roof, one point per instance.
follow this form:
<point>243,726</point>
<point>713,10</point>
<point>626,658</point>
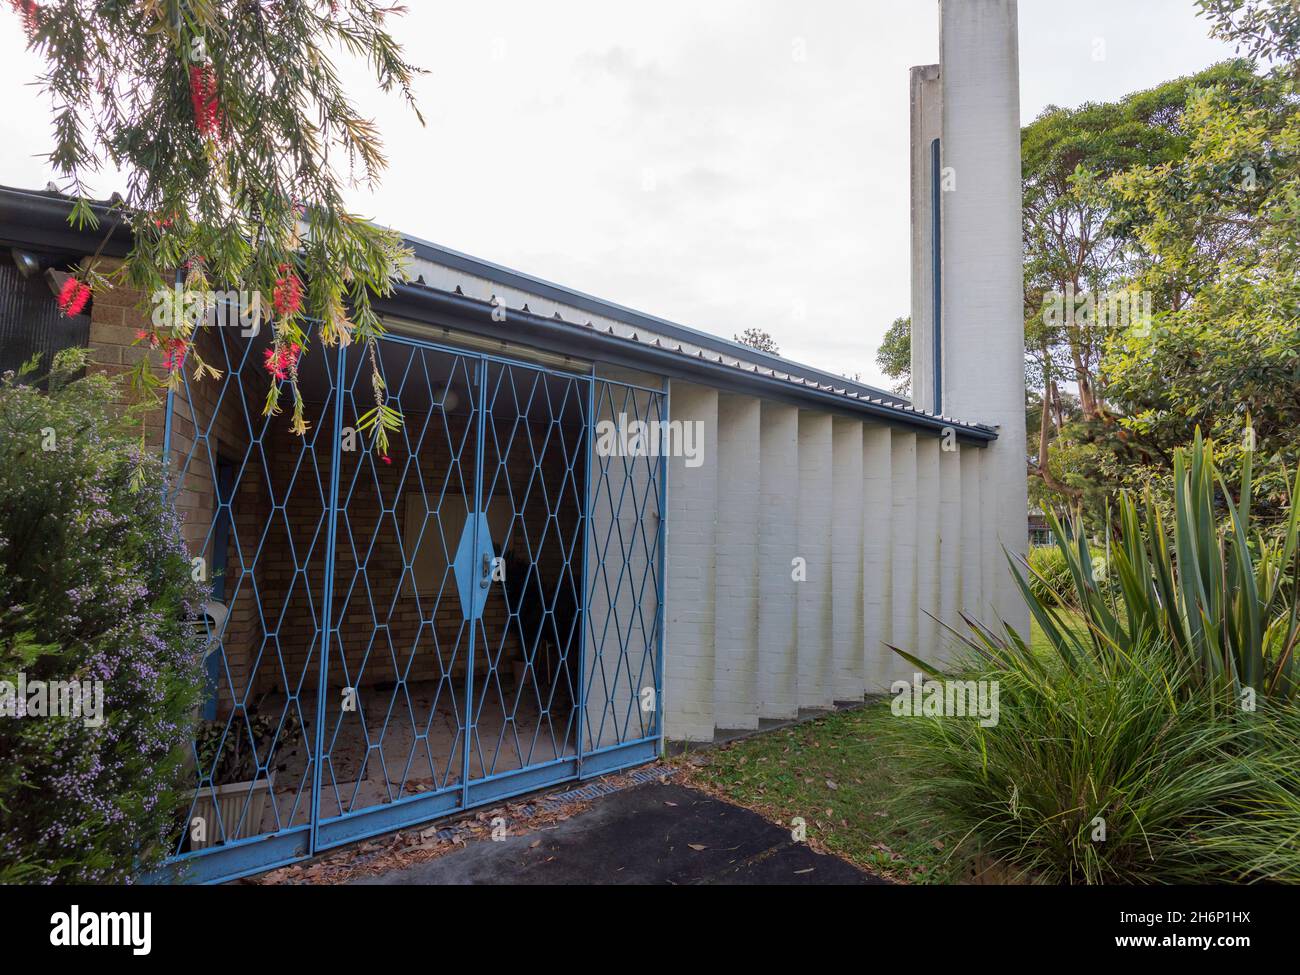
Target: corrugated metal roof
<point>442,271</point>
<point>793,375</point>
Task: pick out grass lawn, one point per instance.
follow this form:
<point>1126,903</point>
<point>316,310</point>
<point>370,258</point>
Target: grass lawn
<point>838,774</point>
<point>1038,641</point>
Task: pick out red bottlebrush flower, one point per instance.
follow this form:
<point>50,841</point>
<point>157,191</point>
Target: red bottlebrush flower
<point>203,96</point>
<point>274,364</point>
<point>79,302</point>
<point>280,361</point>
<point>144,335</point>
<point>174,351</point>
<point>198,93</point>
<point>386,459</point>
<point>287,295</point>
<point>30,11</point>
<point>67,292</point>
<point>73,297</point>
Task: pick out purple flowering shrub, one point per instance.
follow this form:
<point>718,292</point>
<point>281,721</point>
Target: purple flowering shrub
<point>94,586</point>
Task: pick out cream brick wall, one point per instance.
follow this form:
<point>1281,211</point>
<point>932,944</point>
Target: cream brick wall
<point>973,520</point>
<point>927,547</point>
<point>816,674</point>
<point>691,568</point>
<point>992,482</point>
<point>778,525</point>
<point>983,276</point>
<point>904,543</point>
<point>950,541</point>
<point>877,554</point>
<point>735,682</point>
<point>846,559</point>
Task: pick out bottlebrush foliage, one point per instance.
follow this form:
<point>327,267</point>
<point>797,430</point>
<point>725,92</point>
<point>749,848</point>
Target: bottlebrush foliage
<point>237,139</point>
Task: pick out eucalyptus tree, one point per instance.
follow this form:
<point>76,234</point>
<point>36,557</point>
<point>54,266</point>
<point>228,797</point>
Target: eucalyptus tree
<point>1078,261</point>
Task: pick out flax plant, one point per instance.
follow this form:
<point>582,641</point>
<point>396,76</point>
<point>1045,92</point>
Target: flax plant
<point>1219,596</point>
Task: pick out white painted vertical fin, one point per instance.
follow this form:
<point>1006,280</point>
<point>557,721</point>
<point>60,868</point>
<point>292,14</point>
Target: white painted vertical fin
<point>735,681</point>
<point>815,641</point>
<point>950,547</point>
<point>983,274</point>
<point>778,524</point>
<point>691,573</point>
<point>927,125</point>
<point>927,547</point>
<point>877,551</point>
<point>846,558</point>
<point>904,541</point>
<point>994,562</point>
<point>973,517</point>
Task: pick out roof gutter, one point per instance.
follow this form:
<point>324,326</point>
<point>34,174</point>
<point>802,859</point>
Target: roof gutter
<point>43,219</point>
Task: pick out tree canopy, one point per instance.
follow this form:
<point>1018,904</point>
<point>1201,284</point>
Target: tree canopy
<point>894,357</point>
<point>758,339</point>
<point>237,140</point>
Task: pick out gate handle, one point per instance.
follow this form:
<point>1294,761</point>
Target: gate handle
<point>485,579</point>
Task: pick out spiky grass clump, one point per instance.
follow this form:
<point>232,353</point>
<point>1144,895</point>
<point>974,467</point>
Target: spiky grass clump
<point>1119,777</point>
<point>1152,737</point>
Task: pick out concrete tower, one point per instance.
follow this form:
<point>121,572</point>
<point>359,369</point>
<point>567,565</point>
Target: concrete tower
<point>967,265</point>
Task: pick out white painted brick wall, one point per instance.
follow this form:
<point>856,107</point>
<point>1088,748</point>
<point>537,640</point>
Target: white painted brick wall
<point>816,688</point>
<point>904,541</point>
<point>778,543</point>
<point>846,558</point>
<point>973,519</point>
<point>744,640</point>
<point>735,682</point>
<point>950,540</point>
<point>993,560</point>
<point>983,276</point>
<point>691,569</point>
<point>877,554</point>
<point>927,124</point>
<point>927,547</point>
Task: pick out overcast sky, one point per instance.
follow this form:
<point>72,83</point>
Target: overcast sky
<point>722,163</point>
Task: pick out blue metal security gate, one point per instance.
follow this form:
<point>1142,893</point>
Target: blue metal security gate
<point>393,638</point>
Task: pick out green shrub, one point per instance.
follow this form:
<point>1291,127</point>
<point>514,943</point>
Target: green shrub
<point>95,586</point>
<point>1184,794</point>
<point>1049,576</point>
<point>1167,709</point>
